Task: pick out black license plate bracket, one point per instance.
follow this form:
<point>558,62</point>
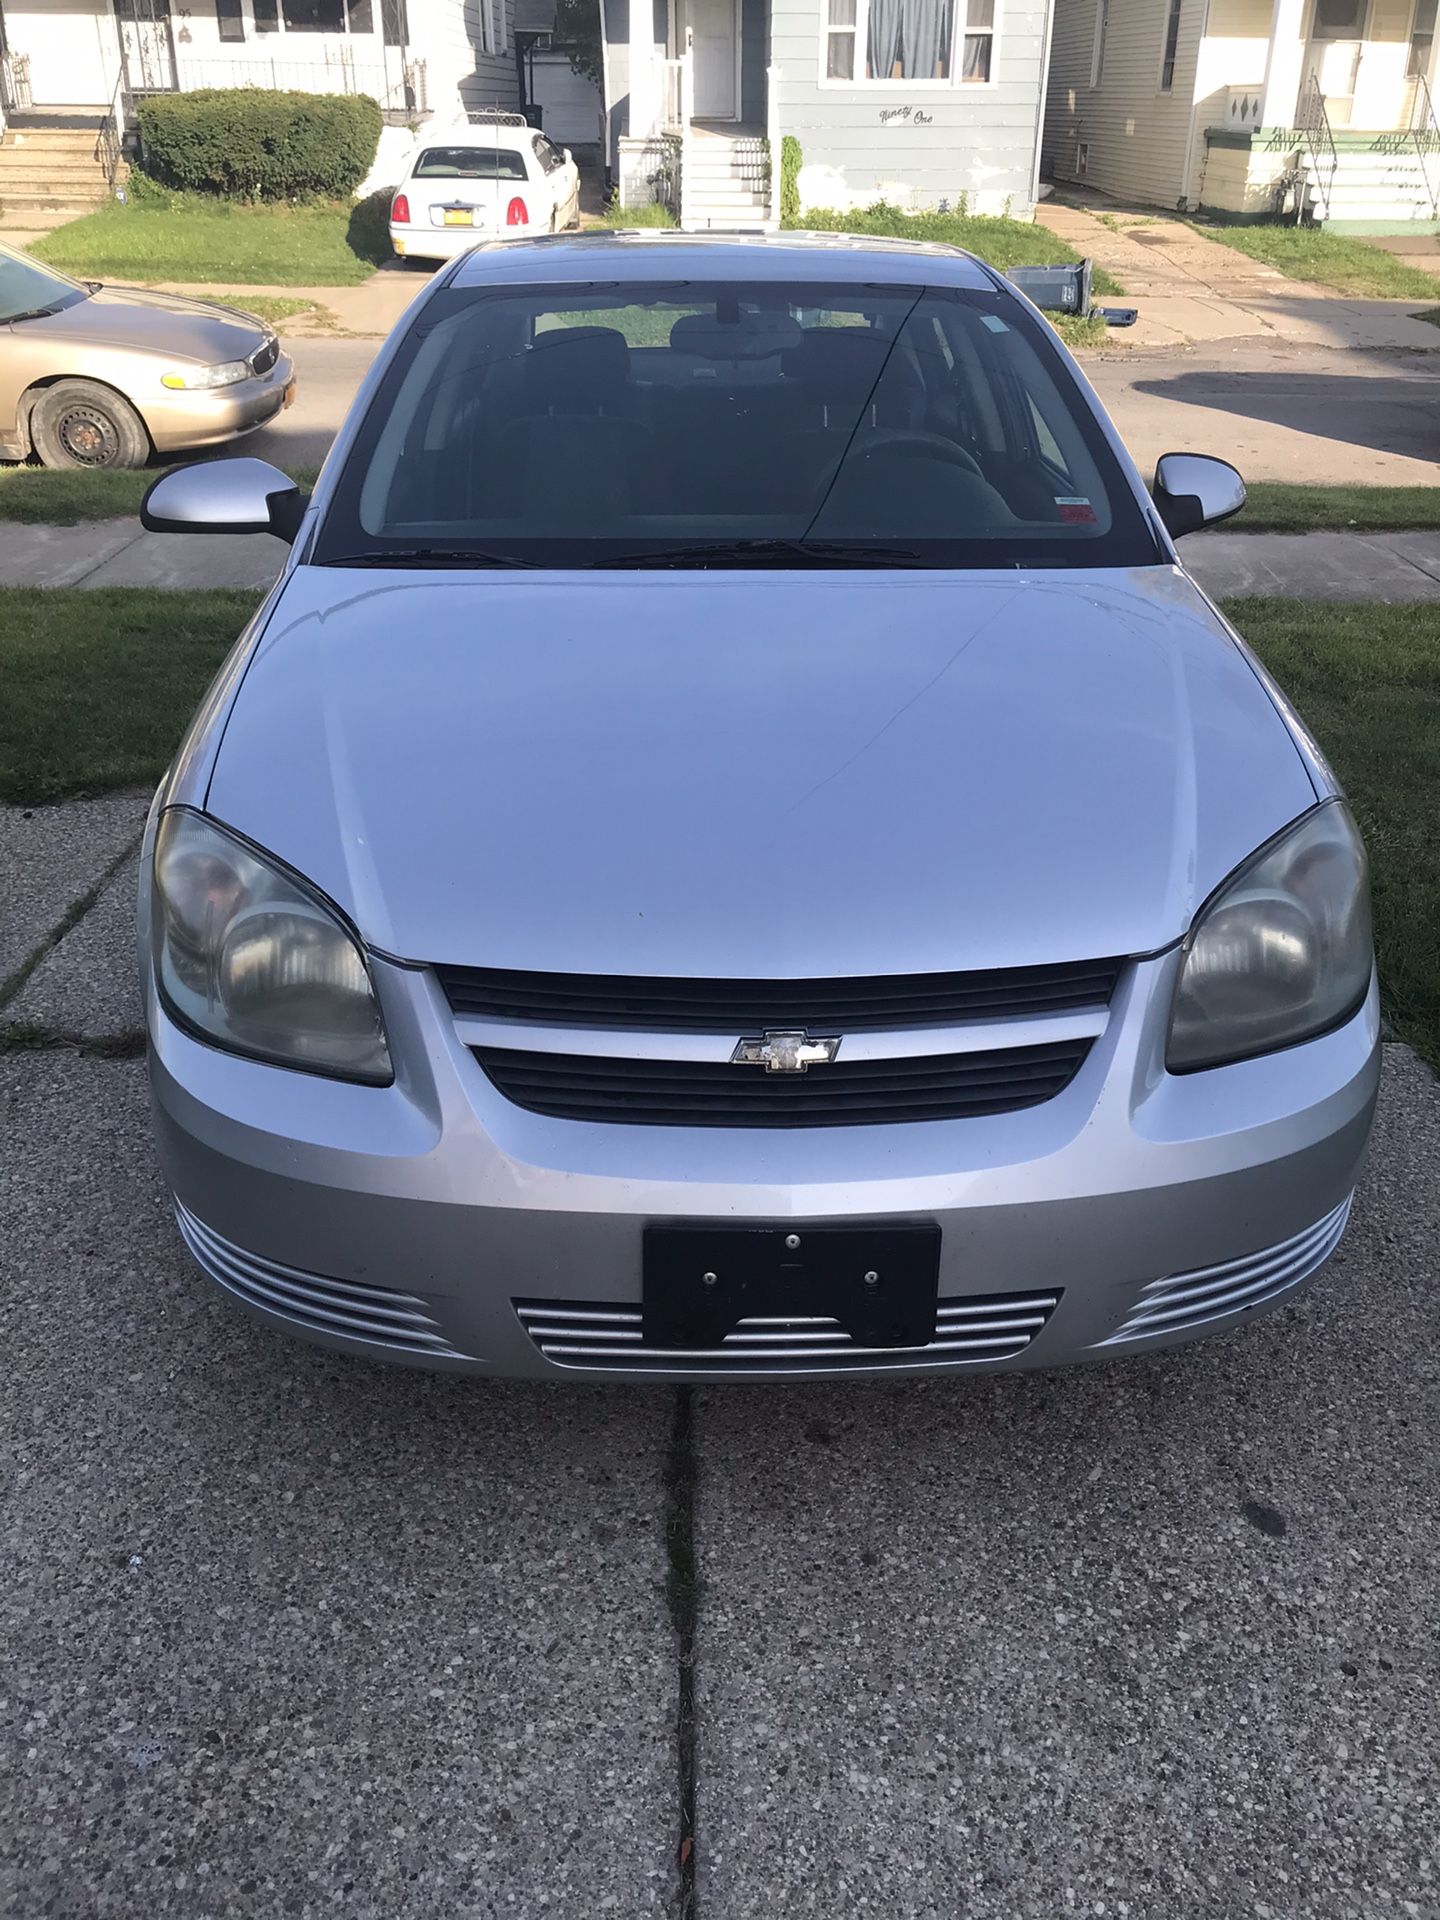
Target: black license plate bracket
<point>878,1283</point>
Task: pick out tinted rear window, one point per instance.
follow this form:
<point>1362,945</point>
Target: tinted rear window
<point>625,424</point>
<point>469,163</point>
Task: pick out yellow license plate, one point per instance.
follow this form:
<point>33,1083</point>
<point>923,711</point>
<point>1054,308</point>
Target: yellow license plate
<point>459,217</point>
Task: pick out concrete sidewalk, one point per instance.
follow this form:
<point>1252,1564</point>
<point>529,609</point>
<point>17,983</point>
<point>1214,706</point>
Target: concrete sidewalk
<point>1191,290</point>
<point>1304,566</point>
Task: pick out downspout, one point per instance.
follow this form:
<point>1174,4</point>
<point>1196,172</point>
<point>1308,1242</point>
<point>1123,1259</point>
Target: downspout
<point>605,94</point>
<point>1188,174</point>
<point>1044,91</point>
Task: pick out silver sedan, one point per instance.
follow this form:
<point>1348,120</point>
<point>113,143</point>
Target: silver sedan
<point>735,850</point>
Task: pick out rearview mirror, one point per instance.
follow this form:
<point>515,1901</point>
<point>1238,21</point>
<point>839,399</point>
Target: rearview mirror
<point>1194,490</point>
<point>244,495</point>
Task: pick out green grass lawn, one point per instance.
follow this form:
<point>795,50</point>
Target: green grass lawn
<point>99,687</point>
<point>1335,260</point>
<point>1282,506</point>
<point>1004,243</point>
<point>1367,680</point>
<point>221,242</point>
<point>274,307</point>
<point>65,497</point>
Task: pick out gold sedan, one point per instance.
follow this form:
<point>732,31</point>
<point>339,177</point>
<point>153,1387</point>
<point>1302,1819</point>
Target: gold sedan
<point>97,376</point>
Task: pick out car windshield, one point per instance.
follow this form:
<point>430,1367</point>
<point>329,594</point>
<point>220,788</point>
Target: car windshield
<point>469,163</point>
<point>731,424</point>
<point>27,288</point>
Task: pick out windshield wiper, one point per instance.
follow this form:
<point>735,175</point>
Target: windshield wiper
<point>35,313</point>
<point>425,557</point>
<point>727,553</point>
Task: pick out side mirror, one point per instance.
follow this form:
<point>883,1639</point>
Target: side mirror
<point>567,153</point>
<point>1193,490</point>
<point>244,495</point>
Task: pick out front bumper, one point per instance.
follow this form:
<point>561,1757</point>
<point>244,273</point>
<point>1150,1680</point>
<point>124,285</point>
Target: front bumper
<point>206,419</point>
<point>434,1222</point>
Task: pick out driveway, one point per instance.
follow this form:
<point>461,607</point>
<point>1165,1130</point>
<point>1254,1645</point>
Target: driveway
<point>292,1635</point>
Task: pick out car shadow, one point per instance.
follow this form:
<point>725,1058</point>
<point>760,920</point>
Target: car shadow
<point>1394,412</point>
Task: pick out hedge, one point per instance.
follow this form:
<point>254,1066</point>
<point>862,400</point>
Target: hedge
<point>249,143</point>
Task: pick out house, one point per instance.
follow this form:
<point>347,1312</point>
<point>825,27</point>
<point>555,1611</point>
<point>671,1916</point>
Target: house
<point>1251,109</point>
<point>68,66</point>
<point>925,103</point>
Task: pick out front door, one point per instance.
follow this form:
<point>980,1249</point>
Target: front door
<point>714,33</point>
<point>1337,38</point>
<point>148,46</point>
<point>70,48</point>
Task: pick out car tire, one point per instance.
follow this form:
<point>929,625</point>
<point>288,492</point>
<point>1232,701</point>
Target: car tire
<point>79,423</point>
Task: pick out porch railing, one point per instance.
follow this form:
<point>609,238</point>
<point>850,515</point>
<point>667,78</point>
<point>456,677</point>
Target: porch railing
<point>397,88</point>
<point>15,82</point>
<point>1425,133</point>
<point>1320,159</point>
<point>110,141</point>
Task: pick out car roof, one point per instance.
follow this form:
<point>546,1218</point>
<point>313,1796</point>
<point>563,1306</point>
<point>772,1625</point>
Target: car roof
<point>661,253</point>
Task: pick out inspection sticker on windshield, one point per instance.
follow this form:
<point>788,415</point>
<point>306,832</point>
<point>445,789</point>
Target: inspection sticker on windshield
<point>1075,509</point>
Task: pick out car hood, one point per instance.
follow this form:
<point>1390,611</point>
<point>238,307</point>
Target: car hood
<point>757,774</point>
<point>168,323</point>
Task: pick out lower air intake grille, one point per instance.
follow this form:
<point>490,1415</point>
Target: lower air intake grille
<point>1185,1300</point>
<point>968,1331</point>
<point>694,1093</point>
<point>372,1314</point>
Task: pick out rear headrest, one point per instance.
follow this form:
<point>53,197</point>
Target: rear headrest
<point>840,363</point>
<point>576,368</point>
<point>754,336</point>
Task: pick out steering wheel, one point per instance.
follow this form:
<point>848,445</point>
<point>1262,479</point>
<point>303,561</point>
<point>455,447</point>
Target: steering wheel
<point>916,445</point>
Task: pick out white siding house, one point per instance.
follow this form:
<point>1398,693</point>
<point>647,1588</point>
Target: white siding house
<point>1250,108</point>
<point>416,57</point>
<point>923,103</point>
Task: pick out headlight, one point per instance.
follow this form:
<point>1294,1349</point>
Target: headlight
<point>256,961</point>
<point>1282,952</point>
<point>190,379</point>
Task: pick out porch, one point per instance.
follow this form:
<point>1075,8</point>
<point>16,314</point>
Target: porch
<point>1334,120</point>
<point>104,54</point>
<point>701,105</point>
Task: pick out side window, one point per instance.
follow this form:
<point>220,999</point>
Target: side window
<point>1045,441</point>
<point>550,158</point>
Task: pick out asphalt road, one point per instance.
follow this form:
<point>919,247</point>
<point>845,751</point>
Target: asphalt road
<point>291,1635</point>
<point>1280,413</point>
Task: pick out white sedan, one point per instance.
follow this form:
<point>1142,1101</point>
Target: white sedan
<point>492,179</point>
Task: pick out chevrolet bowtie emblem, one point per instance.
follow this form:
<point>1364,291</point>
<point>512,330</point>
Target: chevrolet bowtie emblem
<point>785,1052</point>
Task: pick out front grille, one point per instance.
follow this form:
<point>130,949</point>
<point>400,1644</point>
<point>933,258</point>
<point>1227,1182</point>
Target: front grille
<point>264,358</point>
<point>750,1006</point>
<point>858,1093</point>
<point>589,1334</point>
<point>376,1315</point>
<point>1185,1300</point>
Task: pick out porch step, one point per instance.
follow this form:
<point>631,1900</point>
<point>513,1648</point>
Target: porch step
<point>25,212</point>
<point>24,173</point>
<point>52,121</point>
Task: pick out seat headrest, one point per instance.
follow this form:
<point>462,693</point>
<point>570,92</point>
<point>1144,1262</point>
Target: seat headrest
<point>753,336</point>
<point>577,367</point>
<point>841,363</point>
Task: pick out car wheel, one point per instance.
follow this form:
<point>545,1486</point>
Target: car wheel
<point>78,423</point>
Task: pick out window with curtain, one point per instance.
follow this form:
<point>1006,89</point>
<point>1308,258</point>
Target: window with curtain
<point>1172,41</point>
<point>910,40</point>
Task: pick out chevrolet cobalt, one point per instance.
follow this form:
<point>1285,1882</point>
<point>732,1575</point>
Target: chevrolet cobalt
<point>735,849</point>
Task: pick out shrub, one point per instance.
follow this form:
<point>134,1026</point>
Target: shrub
<point>249,143</point>
<point>650,213</point>
<point>791,161</point>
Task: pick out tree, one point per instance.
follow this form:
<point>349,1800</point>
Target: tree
<point>577,29</point>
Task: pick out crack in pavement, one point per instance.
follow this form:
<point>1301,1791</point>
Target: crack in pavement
<point>68,921</point>
<point>682,1596</point>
